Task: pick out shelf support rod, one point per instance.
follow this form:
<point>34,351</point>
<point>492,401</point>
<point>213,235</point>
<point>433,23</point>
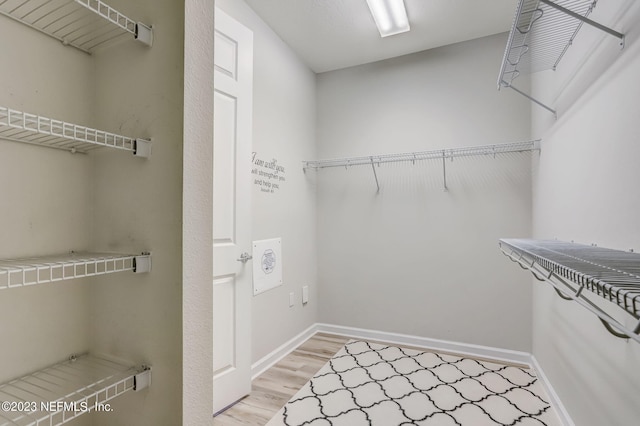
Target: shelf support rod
<point>444,172</point>
<point>584,19</point>
<point>604,318</point>
<point>561,294</point>
<point>375,175</point>
<point>551,110</point>
<point>612,330</point>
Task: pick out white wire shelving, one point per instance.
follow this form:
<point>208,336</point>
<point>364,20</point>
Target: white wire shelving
<point>440,154</point>
<point>18,126</point>
<point>541,33</point>
<point>62,392</point>
<point>571,268</point>
<point>42,270</point>
<point>84,24</point>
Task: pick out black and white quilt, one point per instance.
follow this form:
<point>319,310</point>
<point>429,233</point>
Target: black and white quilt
<point>374,384</point>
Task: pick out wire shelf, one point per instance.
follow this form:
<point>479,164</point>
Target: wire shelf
<point>33,129</point>
<point>42,270</point>
<point>84,24</point>
<point>541,34</point>
<point>612,275</point>
<point>60,393</point>
<point>426,155</point>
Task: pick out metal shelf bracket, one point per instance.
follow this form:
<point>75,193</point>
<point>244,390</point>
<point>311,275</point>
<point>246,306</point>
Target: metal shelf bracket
<point>144,34</point>
<point>142,148</point>
<point>142,380</point>
<point>142,263</point>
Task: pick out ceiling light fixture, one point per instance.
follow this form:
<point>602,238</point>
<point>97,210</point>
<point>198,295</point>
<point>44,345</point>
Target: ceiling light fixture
<point>390,16</point>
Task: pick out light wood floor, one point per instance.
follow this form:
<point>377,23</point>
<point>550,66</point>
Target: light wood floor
<point>276,386</point>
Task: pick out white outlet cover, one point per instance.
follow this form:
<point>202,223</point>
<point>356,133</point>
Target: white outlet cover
<point>292,299</point>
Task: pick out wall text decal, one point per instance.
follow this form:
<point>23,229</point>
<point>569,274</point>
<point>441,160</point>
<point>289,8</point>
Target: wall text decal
<point>269,174</point>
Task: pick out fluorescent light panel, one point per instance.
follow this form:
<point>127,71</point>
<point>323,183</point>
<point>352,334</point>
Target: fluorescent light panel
<point>390,16</point>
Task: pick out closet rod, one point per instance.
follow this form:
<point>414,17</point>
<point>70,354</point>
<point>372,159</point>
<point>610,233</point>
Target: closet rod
<point>425,155</point>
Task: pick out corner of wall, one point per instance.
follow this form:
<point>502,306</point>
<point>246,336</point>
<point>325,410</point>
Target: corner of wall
<point>582,183</point>
<point>197,250</point>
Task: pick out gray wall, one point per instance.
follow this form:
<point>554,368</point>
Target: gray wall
<point>586,190</point>
<point>414,259</point>
<point>284,120</point>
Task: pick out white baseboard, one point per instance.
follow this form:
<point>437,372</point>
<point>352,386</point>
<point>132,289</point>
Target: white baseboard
<point>272,358</point>
<point>555,400</point>
<point>505,355</point>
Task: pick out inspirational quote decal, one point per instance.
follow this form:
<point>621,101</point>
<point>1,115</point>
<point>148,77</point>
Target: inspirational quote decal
<point>269,174</point>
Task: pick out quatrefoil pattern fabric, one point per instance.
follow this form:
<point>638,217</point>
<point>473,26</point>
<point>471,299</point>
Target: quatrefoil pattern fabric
<point>373,384</point>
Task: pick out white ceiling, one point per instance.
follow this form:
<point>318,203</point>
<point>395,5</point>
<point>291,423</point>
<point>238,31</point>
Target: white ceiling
<point>333,34</point>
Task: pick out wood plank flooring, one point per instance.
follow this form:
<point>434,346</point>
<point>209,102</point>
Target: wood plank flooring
<point>272,389</point>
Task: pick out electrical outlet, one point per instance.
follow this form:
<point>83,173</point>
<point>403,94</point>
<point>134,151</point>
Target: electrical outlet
<point>305,294</point>
<point>292,299</point>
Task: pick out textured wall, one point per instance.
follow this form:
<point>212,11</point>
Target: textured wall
<point>138,206</point>
<point>197,251</point>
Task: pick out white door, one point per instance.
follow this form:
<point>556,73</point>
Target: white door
<point>233,82</point>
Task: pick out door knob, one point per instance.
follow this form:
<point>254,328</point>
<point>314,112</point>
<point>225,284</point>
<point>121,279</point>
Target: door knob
<point>244,257</point>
